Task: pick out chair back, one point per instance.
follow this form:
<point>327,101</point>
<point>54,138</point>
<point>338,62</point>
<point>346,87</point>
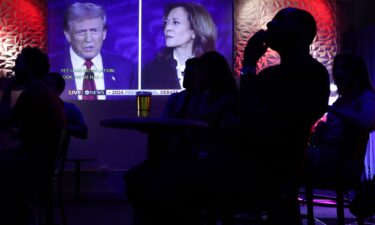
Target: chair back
<point>330,167</point>
<point>336,153</point>
<point>41,190</point>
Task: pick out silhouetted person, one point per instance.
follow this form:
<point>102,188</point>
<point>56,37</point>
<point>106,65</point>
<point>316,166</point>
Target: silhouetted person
<point>216,90</point>
<point>168,193</point>
<point>37,119</point>
<point>278,107</point>
<point>75,121</point>
<point>339,142</point>
<point>177,103</point>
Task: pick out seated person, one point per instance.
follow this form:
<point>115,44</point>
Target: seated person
<point>210,92</point>
<point>38,119</point>
<point>339,141</point>
<point>177,102</point>
<point>76,124</point>
<point>165,193</point>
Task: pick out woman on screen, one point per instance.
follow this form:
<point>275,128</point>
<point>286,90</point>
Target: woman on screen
<point>189,32</point>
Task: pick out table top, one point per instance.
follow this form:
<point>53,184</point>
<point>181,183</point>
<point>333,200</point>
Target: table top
<point>147,124</point>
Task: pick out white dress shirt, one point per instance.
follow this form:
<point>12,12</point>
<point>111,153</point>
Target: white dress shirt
<point>79,70</point>
<point>180,72</point>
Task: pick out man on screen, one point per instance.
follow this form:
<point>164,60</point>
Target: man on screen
<point>88,71</point>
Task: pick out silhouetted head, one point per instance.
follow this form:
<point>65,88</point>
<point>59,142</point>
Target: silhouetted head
<point>188,23</point>
<point>31,64</point>
<point>291,28</point>
<point>350,74</point>
<point>55,81</point>
<point>215,73</point>
<point>190,73</point>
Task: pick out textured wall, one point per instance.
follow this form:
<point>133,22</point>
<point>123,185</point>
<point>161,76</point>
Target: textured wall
<point>22,23</point>
<point>252,15</point>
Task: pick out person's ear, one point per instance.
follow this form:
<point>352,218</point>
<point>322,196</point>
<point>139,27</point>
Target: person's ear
<point>67,36</point>
<point>104,33</point>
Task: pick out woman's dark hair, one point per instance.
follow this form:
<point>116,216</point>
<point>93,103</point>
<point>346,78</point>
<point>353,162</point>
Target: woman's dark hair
<point>215,73</point>
<point>31,61</point>
<point>356,71</point>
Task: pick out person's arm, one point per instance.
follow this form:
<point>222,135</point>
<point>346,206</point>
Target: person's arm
<point>213,106</point>
<point>20,115</point>
<point>5,105</point>
<point>254,50</point>
<point>364,116</point>
<point>170,107</point>
<point>76,124</point>
<point>176,106</point>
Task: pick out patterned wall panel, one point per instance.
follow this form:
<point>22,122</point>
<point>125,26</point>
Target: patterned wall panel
<point>22,23</point>
<point>252,15</point>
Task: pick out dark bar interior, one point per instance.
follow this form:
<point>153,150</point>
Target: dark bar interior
<point>111,55</point>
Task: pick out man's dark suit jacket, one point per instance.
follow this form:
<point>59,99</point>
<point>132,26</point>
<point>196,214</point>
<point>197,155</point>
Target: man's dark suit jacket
<point>123,77</point>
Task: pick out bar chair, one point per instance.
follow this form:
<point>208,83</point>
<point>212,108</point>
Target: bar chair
<point>339,183</point>
<point>41,191</point>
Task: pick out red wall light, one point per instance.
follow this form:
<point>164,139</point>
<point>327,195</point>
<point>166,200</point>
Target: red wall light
<point>22,23</point>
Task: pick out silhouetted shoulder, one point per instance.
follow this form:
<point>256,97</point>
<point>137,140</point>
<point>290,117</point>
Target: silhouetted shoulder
<point>176,105</point>
<point>317,72</point>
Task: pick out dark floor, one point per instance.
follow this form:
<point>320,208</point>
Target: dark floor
<point>119,212</point>
<point>98,212</point>
<point>327,215</point>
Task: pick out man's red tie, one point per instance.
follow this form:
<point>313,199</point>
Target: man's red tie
<point>88,82</point>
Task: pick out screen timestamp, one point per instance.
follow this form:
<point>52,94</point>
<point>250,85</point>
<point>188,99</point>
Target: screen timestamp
<point>120,92</point>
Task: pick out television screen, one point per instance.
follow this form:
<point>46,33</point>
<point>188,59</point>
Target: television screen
<point>110,49</point>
